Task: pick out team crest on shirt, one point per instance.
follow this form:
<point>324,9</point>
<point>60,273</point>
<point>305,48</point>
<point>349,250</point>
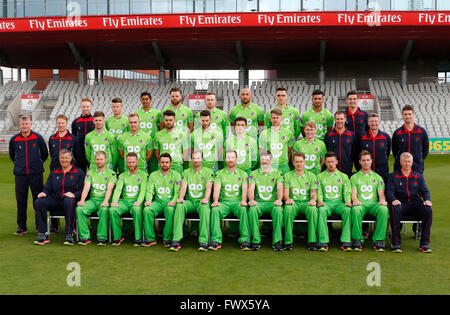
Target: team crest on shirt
<point>252,114</point>
<point>316,150</point>
<point>417,138</point>
<point>361,120</point>
<point>283,137</point>
<point>316,183</point>
<point>415,184</point>
<point>323,119</point>
<point>71,177</point>
<point>123,125</point>
<point>182,115</point>
<point>138,180</point>
<point>87,175</point>
<point>182,177</point>
<point>307,184</point>
<point>339,181</point>
<point>106,179</point>
<point>246,145</point>
<point>273,180</point>
<point>140,141</point>
<point>217,117</point>
<point>239,179</point>
<point>153,117</point>
<point>382,144</point>
<point>348,140</point>
<point>106,139</point>
<point>202,179</point>
<point>374,181</point>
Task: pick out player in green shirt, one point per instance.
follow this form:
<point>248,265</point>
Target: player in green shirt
<point>101,139</point>
<point>252,112</point>
<point>300,195</point>
<point>117,125</point>
<point>230,187</point>
<point>172,141</point>
<point>209,141</point>
<point>244,145</point>
<point>313,149</point>
<point>102,181</point>
<point>164,187</point>
<point>279,141</point>
<point>149,121</point>
<point>322,117</point>
<point>291,115</point>
<point>333,197</point>
<point>136,141</point>
<point>195,191</point>
<point>219,119</point>
<point>265,195</point>
<point>184,119</point>
<point>368,198</point>
<point>131,186</point>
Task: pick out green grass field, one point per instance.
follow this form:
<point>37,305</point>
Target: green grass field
<point>31,269</point>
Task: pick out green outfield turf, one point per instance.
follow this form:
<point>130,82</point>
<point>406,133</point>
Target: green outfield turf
<point>31,269</point>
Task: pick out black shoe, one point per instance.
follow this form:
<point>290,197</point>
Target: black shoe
<point>42,239</point>
<point>288,247</point>
<point>312,246</point>
<point>20,231</point>
<point>101,242</point>
<point>379,246</point>
<point>346,247</point>
<point>137,243</point>
<point>203,247</point>
<point>147,243</point>
<point>357,245</point>
<point>69,240</point>
<point>167,244</point>
<point>255,246</point>
<point>278,246</point>
<point>175,246</point>
<point>214,246</point>
<point>245,246</point>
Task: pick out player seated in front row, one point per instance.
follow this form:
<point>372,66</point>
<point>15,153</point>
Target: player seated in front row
<point>61,192</point>
<point>100,182</point>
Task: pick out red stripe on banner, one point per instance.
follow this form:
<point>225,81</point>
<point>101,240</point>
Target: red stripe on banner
<point>213,20</point>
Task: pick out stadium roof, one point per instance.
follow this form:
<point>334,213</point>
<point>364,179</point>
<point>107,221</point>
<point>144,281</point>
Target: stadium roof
<point>222,41</point>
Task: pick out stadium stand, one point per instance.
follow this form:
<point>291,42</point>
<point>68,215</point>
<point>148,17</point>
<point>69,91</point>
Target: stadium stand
<point>431,100</point>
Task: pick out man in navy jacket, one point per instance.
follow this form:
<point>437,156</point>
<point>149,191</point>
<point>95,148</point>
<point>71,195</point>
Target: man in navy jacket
<point>63,139</point>
<point>28,152</point>
<point>378,143</point>
<point>356,122</point>
<point>61,192</point>
<point>409,195</point>
<point>340,140</point>
<point>410,138</point>
<point>81,126</point>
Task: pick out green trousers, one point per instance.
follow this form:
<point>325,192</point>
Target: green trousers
<point>126,206</point>
<point>255,212</point>
<point>83,212</point>
<point>291,211</point>
<point>334,207</point>
<point>227,207</point>
<point>151,212</point>
<point>372,208</point>
<point>190,206</point>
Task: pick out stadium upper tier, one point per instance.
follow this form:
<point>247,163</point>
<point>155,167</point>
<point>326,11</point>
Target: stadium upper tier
<point>431,100</point>
<point>39,8</point>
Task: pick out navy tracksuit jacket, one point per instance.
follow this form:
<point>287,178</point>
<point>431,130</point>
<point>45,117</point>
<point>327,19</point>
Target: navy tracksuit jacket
<point>28,155</point>
<point>67,141</point>
<point>415,142</point>
<point>411,191</point>
<point>81,126</point>
<point>380,147</point>
<point>343,145</point>
<point>56,186</point>
<point>356,122</point>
